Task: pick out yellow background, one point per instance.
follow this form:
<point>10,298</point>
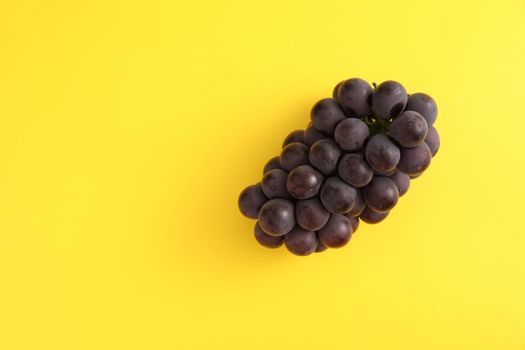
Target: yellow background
<point>128,129</point>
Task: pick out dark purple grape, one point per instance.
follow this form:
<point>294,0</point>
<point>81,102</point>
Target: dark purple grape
<point>251,200</point>
<point>320,247</point>
<point>265,239</point>
<point>337,196</point>
<point>310,214</point>
<point>293,155</point>
<point>354,170</point>
<point>337,231</point>
<point>324,155</point>
<point>355,97</point>
<point>402,181</point>
<point>359,204</point>
<point>372,217</point>
<point>272,164</point>
<point>415,160</point>
<point>334,92</point>
<point>381,153</point>
<point>432,140</point>
<point>351,134</point>
<point>424,105</point>
<point>326,114</point>
<point>354,222</point>
<point>304,182</point>
<point>389,99</point>
<point>301,242</point>
<point>312,135</point>
<point>277,217</point>
<point>294,136</point>
<point>409,129</point>
<point>381,194</point>
<point>274,184</point>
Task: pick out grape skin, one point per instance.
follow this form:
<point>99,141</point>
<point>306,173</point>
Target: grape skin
<point>355,97</point>
<point>312,135</point>
<point>424,105</point>
<point>326,114</point>
<point>334,92</point>
<point>265,239</point>
<point>351,133</point>
<point>301,242</point>
<point>359,204</point>
<point>304,182</point>
<point>294,136</point>
<point>324,155</point>
<point>337,231</point>
<point>274,184</point>
<point>389,99</point>
<point>372,217</point>
<point>310,214</point>
<point>251,200</point>
<point>415,160</point>
<point>293,155</point>
<point>320,246</point>
<point>409,129</point>
<point>432,140</point>
<point>273,163</point>
<point>277,217</point>
<point>354,170</point>
<point>402,181</point>
<point>337,196</point>
<point>382,154</point>
<point>381,194</point>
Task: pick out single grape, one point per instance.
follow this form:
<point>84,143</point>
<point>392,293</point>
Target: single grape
<point>301,242</point>
<point>409,129</point>
<point>293,155</point>
<point>337,231</point>
<point>402,181</point>
<point>294,136</point>
<point>251,200</point>
<point>424,105</point>
<point>326,114</point>
<point>312,135</point>
<point>324,155</point>
<point>277,217</point>
<point>274,184</point>
<point>337,196</point>
<point>372,217</point>
<point>310,214</point>
<point>415,160</point>
<point>304,182</point>
<point>359,204</point>
<point>354,170</point>
<point>389,99</point>
<point>432,140</point>
<point>334,92</point>
<point>273,163</point>
<point>265,239</point>
<point>381,194</point>
<point>381,153</point>
<point>351,134</point>
<point>355,96</point>
<point>320,247</point>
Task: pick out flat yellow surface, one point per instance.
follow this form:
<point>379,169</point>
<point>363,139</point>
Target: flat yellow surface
<point>128,129</point>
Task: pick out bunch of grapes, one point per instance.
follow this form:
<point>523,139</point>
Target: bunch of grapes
<point>353,161</point>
